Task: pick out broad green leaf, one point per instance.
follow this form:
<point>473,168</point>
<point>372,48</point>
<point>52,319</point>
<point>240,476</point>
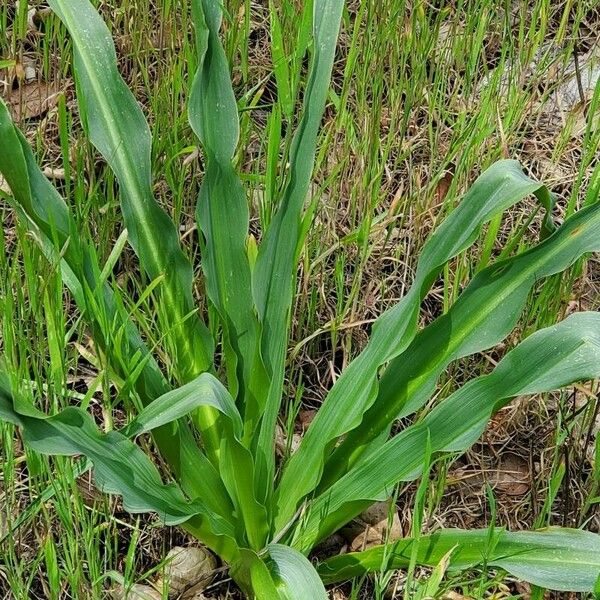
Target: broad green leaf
<point>275,265</point>
<point>222,215</point>
<point>253,576</point>
<point>547,360</point>
<point>236,464</point>
<point>277,573</point>
<point>205,390</point>
<point>43,211</point>
<point>555,558</point>
<point>294,575</point>
<point>117,128</point>
<point>497,189</point>
<point>120,467</point>
<point>197,475</point>
<point>275,269</point>
<point>237,471</point>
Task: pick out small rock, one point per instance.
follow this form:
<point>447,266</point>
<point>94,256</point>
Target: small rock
<point>136,592</point>
<point>568,94</point>
<point>187,571</point>
<point>376,513</point>
<point>281,441</point>
<point>30,74</point>
<point>372,528</point>
<point>455,596</point>
<point>4,186</point>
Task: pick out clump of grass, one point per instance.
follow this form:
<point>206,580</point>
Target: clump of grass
<point>228,491</point>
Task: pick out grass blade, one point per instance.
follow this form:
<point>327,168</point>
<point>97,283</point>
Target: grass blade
<point>45,210</point>
<point>280,64</point>
<point>125,143</point>
<point>42,210</point>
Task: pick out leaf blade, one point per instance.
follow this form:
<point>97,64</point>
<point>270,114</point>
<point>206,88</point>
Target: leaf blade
<point>296,577</point>
<point>274,272</point>
<point>114,121</point>
<point>555,558</point>
<point>43,211</point>
<point>222,214</point>
<point>120,467</point>
<point>549,359</point>
<point>205,390</point>
<point>498,188</point>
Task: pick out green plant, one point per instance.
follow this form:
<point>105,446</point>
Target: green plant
<point>263,519</point>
